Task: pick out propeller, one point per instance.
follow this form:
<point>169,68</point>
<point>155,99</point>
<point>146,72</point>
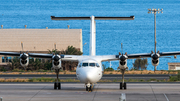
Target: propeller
<point>56,57</point>
<point>23,56</point>
<point>122,57</point>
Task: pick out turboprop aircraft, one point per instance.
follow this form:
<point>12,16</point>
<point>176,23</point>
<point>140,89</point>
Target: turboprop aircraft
<point>89,69</point>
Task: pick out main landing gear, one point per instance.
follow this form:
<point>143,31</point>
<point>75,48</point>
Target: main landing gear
<point>57,84</point>
<point>123,84</point>
<point>89,87</point>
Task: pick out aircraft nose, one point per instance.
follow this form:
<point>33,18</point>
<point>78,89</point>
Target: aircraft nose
<point>89,77</point>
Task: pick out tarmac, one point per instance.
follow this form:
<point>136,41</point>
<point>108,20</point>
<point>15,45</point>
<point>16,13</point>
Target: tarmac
<point>101,92</point>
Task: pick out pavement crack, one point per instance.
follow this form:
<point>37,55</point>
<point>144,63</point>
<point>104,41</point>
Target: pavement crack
<point>95,93</point>
<point>153,92</point>
<point>36,93</point>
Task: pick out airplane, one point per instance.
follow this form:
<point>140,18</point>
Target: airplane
<point>89,69</point>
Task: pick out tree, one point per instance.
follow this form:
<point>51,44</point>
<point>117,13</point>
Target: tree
<point>15,63</point>
<point>72,51</point>
<point>140,64</point>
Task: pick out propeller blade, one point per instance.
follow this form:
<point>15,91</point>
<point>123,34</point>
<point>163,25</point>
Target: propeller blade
<point>152,52</point>
<point>122,48</point>
<point>155,47</point>
<point>126,53</point>
<point>158,52</point>
<point>22,46</point>
<point>55,46</point>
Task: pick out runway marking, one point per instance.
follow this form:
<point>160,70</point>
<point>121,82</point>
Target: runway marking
<point>153,91</point>
<point>95,93</point>
<point>166,97</point>
<point>122,97</point>
<point>36,93</point>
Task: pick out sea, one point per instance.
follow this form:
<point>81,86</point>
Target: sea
<point>137,36</point>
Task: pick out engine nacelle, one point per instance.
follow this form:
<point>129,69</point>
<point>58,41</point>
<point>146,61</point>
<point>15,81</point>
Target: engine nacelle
<point>24,60</point>
<point>155,59</point>
<point>155,62</point>
<point>56,62</point>
<point>123,62</point>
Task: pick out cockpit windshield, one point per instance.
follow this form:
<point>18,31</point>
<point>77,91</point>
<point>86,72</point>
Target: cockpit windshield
<point>89,64</point>
<point>97,65</point>
<point>85,64</point>
<point>92,64</point>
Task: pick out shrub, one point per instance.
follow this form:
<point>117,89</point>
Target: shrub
<point>109,69</point>
<point>173,78</point>
<point>3,69</point>
<point>15,70</point>
<point>40,70</point>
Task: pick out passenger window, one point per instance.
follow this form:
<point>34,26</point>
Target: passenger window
<point>97,65</point>
<point>85,64</point>
<point>92,64</point>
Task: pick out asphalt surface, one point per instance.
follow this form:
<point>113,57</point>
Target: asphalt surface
<point>101,92</point>
<point>105,76</point>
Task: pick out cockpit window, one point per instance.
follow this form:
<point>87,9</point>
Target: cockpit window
<point>97,65</point>
<point>92,64</point>
<point>80,65</point>
<point>85,64</point>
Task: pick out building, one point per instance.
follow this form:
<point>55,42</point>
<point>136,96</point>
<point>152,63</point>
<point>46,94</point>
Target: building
<point>38,40</point>
<point>174,66</point>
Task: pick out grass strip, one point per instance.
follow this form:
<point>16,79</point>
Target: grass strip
<point>43,79</point>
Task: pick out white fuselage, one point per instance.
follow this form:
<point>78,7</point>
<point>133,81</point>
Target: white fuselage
<point>89,71</point>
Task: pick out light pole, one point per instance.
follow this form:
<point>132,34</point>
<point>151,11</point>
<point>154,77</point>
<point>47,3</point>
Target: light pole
<point>154,11</point>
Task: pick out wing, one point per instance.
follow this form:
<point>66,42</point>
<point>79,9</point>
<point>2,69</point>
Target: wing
<point>46,56</point>
<point>169,53</point>
<point>130,56</point>
<point>10,53</point>
<point>135,56</point>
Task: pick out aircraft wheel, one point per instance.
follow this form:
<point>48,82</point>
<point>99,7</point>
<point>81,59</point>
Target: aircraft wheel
<point>90,88</point>
<point>55,85</point>
<point>59,85</point>
<point>120,85</point>
<point>125,86</point>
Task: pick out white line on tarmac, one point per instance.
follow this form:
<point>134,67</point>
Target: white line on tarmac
<point>166,97</point>
<point>122,97</point>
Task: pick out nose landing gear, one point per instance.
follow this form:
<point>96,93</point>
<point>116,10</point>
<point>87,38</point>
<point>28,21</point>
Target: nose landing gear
<point>89,87</point>
<point>57,84</point>
<point>123,84</point>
